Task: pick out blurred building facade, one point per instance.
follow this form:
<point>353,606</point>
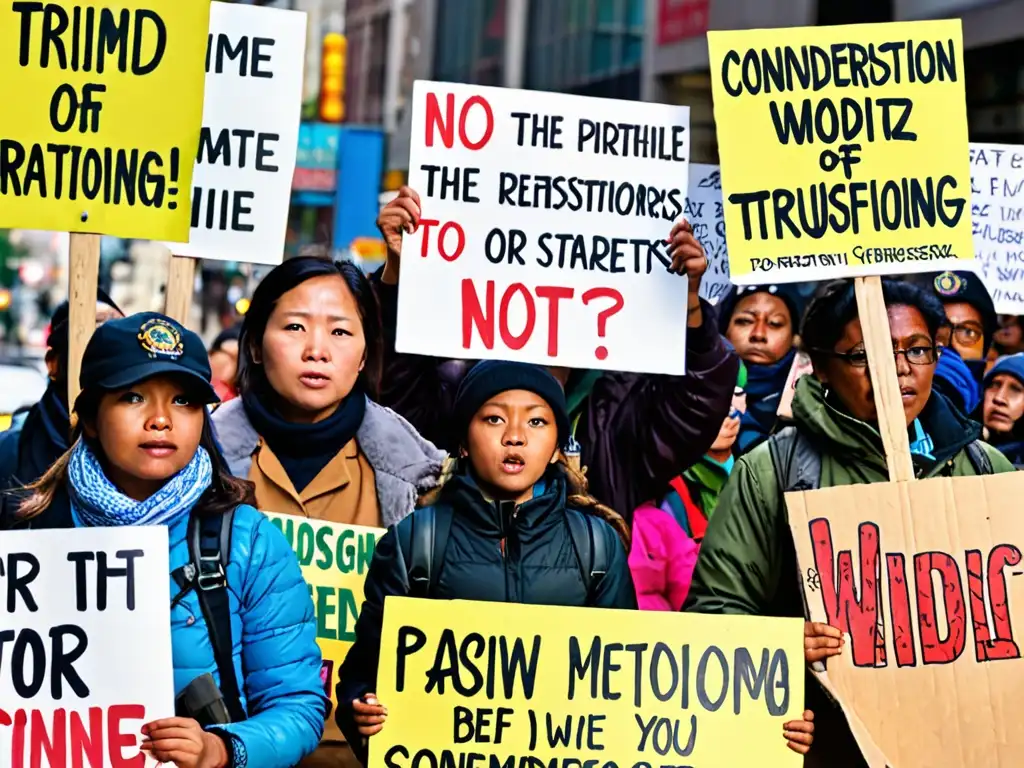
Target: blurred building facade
<point>675,69</point>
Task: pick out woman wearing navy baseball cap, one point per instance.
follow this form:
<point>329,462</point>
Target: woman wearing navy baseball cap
<point>143,454</point>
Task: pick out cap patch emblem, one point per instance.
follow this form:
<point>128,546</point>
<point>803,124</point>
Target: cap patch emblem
<point>161,339</point>
<point>949,284</point>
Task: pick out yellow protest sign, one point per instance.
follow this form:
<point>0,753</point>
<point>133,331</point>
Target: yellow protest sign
<point>334,559</point>
<point>103,107</point>
<point>843,150</point>
<point>469,683</point>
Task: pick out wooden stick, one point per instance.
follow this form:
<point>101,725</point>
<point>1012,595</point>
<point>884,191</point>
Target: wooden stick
<point>83,281</point>
<point>181,282</point>
<point>892,423</point>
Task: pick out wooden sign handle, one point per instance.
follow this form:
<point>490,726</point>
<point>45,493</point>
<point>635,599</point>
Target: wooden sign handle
<point>181,281</point>
<point>892,424</point>
<point>83,281</point>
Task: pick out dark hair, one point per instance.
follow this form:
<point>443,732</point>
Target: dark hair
<point>224,494</point>
<point>835,305</point>
<point>233,333</point>
<point>291,274</point>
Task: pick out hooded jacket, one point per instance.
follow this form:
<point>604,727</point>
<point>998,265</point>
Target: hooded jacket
<point>496,552</point>
<point>747,562</point>
<point>636,431</point>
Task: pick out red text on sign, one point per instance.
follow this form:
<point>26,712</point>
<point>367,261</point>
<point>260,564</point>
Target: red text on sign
<point>72,739</point>
<point>445,122</point>
<point>442,239</point>
<point>857,610</point>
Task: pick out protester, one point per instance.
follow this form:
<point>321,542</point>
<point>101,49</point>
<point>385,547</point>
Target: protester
<point>971,314</point>
<point>224,362</point>
<point>666,537</point>
<point>632,432</point>
<point>143,454</point>
<point>305,430</point>
<point>1009,337</point>
<point>747,563</point>
<point>1004,407</point>
<point>760,322</point>
<point>40,435</point>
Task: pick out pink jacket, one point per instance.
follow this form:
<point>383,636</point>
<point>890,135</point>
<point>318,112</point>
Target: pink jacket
<point>662,558</point>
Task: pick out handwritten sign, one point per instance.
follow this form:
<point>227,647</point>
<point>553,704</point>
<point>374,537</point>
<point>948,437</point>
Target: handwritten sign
<point>544,229</point>
<point>705,212</point>
<point>102,114</point>
<point>85,645</point>
<point>997,210</point>
<point>843,150</point>
<point>334,559</point>
<point>542,685</point>
<point>243,171</point>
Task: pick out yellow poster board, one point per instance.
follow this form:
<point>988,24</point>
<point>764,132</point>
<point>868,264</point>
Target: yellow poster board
<point>103,104</point>
<point>334,559</point>
<point>843,150</point>
<point>523,685</point>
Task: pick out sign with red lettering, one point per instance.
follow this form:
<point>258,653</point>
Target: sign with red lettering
<point>85,645</point>
<point>544,229</point>
<point>922,577</point>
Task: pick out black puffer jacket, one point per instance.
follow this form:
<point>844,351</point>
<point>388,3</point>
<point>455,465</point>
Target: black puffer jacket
<point>539,567</point>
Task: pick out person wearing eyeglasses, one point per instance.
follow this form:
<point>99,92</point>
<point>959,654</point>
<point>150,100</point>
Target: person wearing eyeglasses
<point>747,562</point>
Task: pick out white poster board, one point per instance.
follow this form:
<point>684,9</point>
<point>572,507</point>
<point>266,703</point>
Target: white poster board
<point>242,182</point>
<point>705,213</point>
<point>544,231</point>
<point>997,213</point>
<point>85,643</point>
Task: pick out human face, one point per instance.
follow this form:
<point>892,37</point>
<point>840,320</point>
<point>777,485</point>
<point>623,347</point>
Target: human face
<point>224,361</point>
<point>731,426</point>
<point>313,348</point>
<point>968,332</point>
<point>511,441</point>
<point>1010,334</point>
<point>148,433</point>
<point>761,329</point>
<point>1004,403</point>
<point>852,385</point>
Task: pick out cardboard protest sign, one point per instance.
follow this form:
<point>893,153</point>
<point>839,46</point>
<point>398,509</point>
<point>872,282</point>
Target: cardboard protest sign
<point>85,645</point>
<point>542,213</point>
<point>921,576</point>
<point>508,684</point>
<point>705,212</point>
<point>997,210</point>
<point>103,113</point>
<point>842,149</point>
<point>241,187</point>
<point>334,559</point>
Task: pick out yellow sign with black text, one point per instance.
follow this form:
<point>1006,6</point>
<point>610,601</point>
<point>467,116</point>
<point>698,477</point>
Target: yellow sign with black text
<point>103,105</point>
<point>485,684</point>
<point>334,559</point>
<point>843,150</point>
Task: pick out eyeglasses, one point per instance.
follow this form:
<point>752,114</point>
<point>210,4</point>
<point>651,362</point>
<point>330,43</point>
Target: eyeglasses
<point>968,335</point>
<point>859,359</point>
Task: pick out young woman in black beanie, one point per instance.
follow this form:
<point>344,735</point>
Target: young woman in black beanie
<point>514,524</point>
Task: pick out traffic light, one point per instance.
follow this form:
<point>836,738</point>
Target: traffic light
<point>332,78</point>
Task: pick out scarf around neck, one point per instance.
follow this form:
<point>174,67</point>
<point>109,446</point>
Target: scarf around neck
<point>97,502</point>
<point>765,384</point>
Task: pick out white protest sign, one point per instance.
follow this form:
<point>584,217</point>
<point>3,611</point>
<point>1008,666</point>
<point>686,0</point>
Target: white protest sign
<point>997,213</point>
<point>85,645</point>
<point>705,213</point>
<point>544,229</point>
<point>242,182</point>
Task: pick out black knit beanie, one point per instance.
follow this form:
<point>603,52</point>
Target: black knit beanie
<point>490,377</point>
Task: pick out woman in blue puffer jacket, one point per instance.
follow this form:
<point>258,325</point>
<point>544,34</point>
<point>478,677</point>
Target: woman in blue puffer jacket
<point>145,455</point>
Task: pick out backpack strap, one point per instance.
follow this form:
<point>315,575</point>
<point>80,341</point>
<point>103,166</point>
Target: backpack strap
<point>796,461</point>
<point>209,546</point>
<point>979,458</point>
<point>591,548</point>
<point>431,527</point>
<point>696,520</point>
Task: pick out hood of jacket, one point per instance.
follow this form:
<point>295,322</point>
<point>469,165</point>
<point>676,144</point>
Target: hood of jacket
<point>405,465</point>
<point>850,440</point>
